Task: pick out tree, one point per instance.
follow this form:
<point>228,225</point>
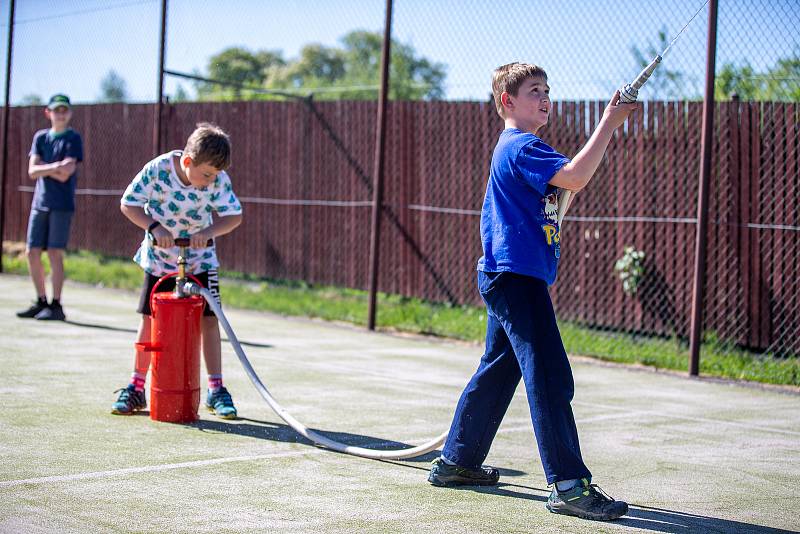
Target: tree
<point>349,71</point>
<point>664,83</point>
<point>780,83</point>
<point>237,66</point>
<point>31,99</point>
<point>113,88</point>
<point>180,95</point>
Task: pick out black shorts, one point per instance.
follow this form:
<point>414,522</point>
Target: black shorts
<point>208,279</point>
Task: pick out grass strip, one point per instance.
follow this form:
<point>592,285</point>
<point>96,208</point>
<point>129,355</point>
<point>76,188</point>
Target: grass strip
<point>467,323</point>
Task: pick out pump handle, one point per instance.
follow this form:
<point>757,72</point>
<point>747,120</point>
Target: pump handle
<point>181,241</point>
<point>184,242</point>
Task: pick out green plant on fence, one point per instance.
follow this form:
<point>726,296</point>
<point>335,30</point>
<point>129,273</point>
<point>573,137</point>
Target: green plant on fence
<point>630,269</point>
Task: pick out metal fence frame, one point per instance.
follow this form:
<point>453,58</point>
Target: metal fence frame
<point>379,210</point>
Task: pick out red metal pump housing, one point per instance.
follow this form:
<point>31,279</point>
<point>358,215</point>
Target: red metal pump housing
<point>175,326</point>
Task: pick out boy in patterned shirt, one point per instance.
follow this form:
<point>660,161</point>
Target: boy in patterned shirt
<point>174,196</point>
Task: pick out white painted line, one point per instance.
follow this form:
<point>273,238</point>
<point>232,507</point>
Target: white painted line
<point>625,412</point>
<point>306,202</point>
<point>621,413</point>
<point>181,465</point>
<point>656,415</point>
<point>151,468</point>
<point>604,417</point>
<point>678,220</point>
<point>436,209</point>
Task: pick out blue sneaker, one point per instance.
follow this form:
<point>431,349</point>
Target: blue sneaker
<point>129,401</point>
<point>220,403</point>
<point>586,501</point>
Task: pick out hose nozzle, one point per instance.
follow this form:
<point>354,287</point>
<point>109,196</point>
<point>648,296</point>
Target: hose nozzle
<point>630,92</point>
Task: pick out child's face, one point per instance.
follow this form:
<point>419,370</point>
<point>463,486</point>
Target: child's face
<point>59,117</point>
<point>531,107</point>
<point>201,175</point>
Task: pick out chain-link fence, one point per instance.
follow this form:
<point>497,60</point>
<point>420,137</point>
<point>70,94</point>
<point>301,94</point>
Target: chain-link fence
<point>296,86</point>
<point>108,65</point>
<point>754,232</point>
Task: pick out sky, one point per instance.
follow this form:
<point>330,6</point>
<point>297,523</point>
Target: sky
<point>585,46</point>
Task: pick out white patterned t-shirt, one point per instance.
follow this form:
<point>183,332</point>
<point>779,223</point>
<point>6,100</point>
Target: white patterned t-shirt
<point>182,209</point>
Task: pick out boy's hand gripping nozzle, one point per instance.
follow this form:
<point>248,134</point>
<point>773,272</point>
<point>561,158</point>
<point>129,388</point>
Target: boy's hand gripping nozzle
<point>627,95</point>
<point>630,91</point>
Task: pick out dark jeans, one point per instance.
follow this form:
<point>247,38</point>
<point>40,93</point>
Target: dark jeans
<point>522,341</point>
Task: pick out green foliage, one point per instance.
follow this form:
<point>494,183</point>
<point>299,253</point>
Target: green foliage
<point>779,83</point>
<point>630,269</point>
<point>350,71</point>
<point>31,99</point>
<point>113,88</point>
<point>664,83</point>
<point>238,66</point>
<point>180,95</point>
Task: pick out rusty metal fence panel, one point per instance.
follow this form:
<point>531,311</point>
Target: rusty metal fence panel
<point>300,169</point>
<point>303,156</point>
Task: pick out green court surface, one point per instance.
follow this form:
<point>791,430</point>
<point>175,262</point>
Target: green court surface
<point>689,455</point>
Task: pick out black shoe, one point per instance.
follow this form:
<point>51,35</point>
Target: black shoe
<point>53,312</point>
<point>34,310</point>
<point>129,401</point>
<point>445,475</point>
<point>586,501</point>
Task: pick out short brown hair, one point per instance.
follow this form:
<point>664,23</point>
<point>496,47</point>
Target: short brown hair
<point>209,144</point>
<point>508,78</point>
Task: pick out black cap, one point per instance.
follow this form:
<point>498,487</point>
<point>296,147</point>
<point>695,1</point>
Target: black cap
<point>59,100</point>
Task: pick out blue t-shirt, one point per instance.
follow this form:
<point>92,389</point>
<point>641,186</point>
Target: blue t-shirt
<point>50,194</point>
<point>519,219</point>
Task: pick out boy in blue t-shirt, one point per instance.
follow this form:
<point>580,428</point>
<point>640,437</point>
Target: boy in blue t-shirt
<point>53,163</point>
<point>183,194</point>
<point>520,236</point>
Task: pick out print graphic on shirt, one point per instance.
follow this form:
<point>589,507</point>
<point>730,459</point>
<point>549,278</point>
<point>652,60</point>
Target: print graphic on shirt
<point>551,207</point>
<point>183,210</point>
<point>550,228</point>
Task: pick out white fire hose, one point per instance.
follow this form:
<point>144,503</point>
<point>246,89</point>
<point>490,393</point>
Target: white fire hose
<point>318,439</point>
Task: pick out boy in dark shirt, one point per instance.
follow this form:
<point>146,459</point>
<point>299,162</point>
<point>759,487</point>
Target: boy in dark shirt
<point>54,157</point>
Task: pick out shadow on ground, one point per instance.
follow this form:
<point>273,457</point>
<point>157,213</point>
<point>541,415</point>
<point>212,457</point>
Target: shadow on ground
<point>646,518</point>
<point>280,432</point>
<point>133,331</point>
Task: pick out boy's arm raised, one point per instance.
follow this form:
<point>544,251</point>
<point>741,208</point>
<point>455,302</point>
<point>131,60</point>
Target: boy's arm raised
<point>576,174</point>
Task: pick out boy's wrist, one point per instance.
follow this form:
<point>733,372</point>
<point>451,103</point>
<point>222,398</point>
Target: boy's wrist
<point>153,226</point>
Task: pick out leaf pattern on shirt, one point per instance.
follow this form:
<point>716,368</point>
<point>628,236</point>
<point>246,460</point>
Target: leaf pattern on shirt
<point>183,210</point>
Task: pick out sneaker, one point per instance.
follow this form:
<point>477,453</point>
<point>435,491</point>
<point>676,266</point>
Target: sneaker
<point>34,310</point>
<point>129,401</point>
<point>586,501</point>
<point>445,475</point>
<point>220,403</point>
<point>53,312</point>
